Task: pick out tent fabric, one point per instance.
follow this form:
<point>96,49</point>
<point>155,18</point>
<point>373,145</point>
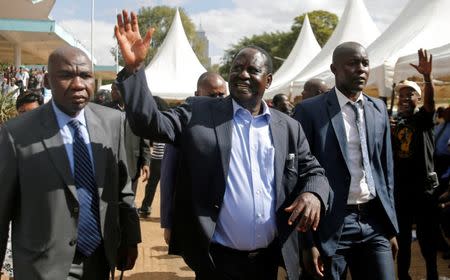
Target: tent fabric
<point>305,49</point>
<point>441,64</point>
<point>416,27</point>
<point>355,25</point>
<point>174,71</point>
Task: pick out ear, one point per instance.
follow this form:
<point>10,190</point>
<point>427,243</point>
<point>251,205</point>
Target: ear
<point>333,69</point>
<point>269,80</point>
<point>196,93</point>
<point>46,82</point>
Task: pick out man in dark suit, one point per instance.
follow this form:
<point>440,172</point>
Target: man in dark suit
<point>65,185</point>
<point>349,134</point>
<point>246,173</point>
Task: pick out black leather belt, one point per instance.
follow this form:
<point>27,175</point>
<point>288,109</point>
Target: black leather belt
<point>219,248</point>
<point>361,207</point>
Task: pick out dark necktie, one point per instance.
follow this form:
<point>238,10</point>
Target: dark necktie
<point>364,150</point>
<point>89,237</point>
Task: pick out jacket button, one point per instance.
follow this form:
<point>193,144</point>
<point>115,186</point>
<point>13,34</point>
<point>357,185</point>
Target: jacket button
<point>216,206</point>
<point>73,242</point>
<point>76,210</point>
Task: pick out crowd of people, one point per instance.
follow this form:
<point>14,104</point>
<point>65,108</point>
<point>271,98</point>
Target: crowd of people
<point>329,186</point>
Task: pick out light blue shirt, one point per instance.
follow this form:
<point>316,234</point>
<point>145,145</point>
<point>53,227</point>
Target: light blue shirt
<point>67,133</point>
<point>247,216</point>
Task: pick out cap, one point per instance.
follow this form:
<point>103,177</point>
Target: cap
<point>410,84</point>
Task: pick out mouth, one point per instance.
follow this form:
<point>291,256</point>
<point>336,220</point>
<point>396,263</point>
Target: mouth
<point>243,87</point>
<point>79,99</point>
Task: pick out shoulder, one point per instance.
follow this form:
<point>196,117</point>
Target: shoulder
<point>27,120</point>
<point>104,112</point>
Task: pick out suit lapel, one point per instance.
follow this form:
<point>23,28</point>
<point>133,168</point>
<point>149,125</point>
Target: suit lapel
<point>369,115</point>
<point>279,135</point>
<point>55,147</point>
<point>337,120</point>
<point>222,115</point>
<point>97,138</point>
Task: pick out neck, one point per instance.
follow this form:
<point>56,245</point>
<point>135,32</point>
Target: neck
<point>350,94</point>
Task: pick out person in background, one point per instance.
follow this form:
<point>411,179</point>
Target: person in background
<point>28,102</point>
<point>415,178</point>
<point>208,84</point>
<point>156,156</point>
<point>137,148</point>
<point>314,87</point>
<point>281,103</point>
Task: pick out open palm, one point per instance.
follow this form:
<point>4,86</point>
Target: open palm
<point>425,62</point>
<point>132,46</point>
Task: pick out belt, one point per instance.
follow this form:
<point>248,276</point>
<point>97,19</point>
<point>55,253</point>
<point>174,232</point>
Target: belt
<point>361,207</point>
<point>219,248</point>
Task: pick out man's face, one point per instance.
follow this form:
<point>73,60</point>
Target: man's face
<point>27,107</point>
<point>351,70</point>
<point>71,80</point>
<point>407,101</point>
<point>115,94</point>
<point>248,77</point>
<point>285,106</point>
<point>214,87</point>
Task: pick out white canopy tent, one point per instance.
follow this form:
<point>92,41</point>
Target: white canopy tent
<point>355,25</point>
<point>421,24</point>
<point>441,64</point>
<point>304,50</point>
<point>174,70</point>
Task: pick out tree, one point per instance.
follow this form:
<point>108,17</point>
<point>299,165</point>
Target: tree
<point>161,17</point>
<point>280,44</point>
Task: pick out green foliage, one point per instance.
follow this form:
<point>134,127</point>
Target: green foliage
<point>160,18</point>
<point>323,24</point>
<point>279,44</point>
<point>7,107</point>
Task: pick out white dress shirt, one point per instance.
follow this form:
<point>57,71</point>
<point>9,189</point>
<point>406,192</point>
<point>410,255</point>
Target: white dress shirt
<point>359,190</point>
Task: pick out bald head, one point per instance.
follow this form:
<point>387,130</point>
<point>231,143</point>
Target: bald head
<point>70,78</point>
<point>314,87</point>
<point>345,49</point>
<point>64,53</point>
<point>211,84</point>
<point>350,68</point>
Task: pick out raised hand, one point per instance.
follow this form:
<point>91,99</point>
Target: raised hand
<point>132,46</point>
<point>425,63</point>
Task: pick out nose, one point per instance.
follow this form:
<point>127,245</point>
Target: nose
<point>77,83</point>
<point>244,75</point>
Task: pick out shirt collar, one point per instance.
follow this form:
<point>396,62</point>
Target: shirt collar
<point>62,118</point>
<point>343,100</point>
<point>237,108</point>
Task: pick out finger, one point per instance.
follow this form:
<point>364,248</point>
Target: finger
<point>305,220</point>
<point>134,22</point>
<point>126,21</point>
<point>148,36</point>
<point>316,220</point>
<point>120,23</point>
<point>295,213</point>
<point>415,66</point>
<point>431,59</point>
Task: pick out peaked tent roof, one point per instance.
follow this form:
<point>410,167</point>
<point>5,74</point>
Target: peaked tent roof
<point>355,25</point>
<point>416,27</point>
<point>441,64</point>
<point>174,70</point>
<point>305,49</point>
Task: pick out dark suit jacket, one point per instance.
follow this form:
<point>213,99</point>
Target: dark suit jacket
<point>201,129</point>
<point>38,192</point>
<point>322,121</point>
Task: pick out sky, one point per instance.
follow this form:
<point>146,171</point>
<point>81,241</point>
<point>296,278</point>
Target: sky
<point>224,21</point>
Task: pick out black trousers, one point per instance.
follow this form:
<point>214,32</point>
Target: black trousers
<point>231,264</point>
<point>150,188</point>
<point>88,268</point>
<point>419,209</point>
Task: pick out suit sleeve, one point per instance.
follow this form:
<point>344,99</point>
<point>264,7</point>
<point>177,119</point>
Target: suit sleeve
<point>167,183</point>
<point>142,112</point>
<point>144,155</point>
<point>128,218</point>
<point>8,186</point>
<point>387,161</point>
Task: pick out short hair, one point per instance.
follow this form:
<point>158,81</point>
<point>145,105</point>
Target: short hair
<point>277,99</point>
<point>29,97</point>
<point>268,63</point>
